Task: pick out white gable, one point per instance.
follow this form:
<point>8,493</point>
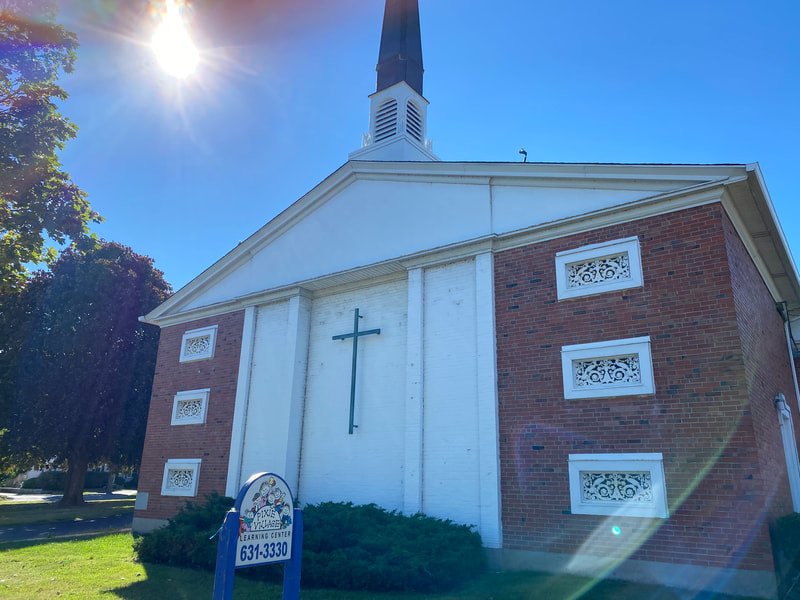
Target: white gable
<point>386,215</point>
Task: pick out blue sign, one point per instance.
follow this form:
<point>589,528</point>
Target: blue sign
<point>266,514</point>
<point>263,527</point>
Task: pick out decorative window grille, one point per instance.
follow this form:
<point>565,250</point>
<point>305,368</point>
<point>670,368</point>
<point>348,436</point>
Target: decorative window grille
<point>618,484</point>
<point>413,121</point>
<point>386,120</point>
<point>606,369</point>
<point>599,268</point>
<point>181,477</point>
<point>189,407</point>
<point>198,344</point>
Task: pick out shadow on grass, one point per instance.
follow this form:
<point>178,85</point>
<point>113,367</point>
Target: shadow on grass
<point>171,582</point>
<point>185,584</point>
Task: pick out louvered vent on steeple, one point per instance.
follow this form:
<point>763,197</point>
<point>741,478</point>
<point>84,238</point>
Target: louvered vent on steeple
<point>386,120</point>
<point>413,121</point>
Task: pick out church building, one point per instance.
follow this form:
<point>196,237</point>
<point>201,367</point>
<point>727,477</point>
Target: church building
<point>592,364</point>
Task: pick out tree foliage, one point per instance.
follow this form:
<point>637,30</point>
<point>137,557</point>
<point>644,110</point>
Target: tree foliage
<point>38,200</point>
<point>76,363</point>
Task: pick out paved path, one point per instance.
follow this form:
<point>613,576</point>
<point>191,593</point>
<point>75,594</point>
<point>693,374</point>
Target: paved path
<point>43,531</point>
<point>52,497</point>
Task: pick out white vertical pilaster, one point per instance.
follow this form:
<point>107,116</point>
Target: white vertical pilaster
<point>240,403</point>
<point>299,327</point>
<point>486,382</point>
<point>412,479</point>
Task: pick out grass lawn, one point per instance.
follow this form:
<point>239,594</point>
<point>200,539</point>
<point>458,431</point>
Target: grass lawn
<point>25,513</point>
<point>106,568</point>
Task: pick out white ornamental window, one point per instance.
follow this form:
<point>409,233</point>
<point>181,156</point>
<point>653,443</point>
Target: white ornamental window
<point>181,477</point>
<point>599,268</point>
<point>190,407</point>
<point>198,344</point>
<point>607,369</point>
<point>627,485</point>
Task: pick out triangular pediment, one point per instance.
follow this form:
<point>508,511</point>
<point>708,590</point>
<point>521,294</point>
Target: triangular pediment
<point>376,218</point>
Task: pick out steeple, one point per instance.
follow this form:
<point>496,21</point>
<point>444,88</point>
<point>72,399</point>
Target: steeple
<point>398,119</point>
<point>400,56</point>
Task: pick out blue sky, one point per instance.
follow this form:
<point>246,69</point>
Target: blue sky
<point>183,171</point>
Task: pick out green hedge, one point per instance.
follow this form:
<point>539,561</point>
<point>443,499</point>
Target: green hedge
<point>786,541</point>
<point>54,481</point>
<point>344,546</point>
<point>369,548</point>
<point>184,542</point>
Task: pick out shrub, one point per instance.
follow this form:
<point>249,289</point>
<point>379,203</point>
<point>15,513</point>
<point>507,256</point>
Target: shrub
<point>95,480</point>
<point>344,546</point>
<point>133,484</point>
<point>786,540</point>
<point>49,480</point>
<point>369,548</point>
<point>184,541</point>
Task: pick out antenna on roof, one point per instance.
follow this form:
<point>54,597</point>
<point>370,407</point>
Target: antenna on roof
<point>524,154</point>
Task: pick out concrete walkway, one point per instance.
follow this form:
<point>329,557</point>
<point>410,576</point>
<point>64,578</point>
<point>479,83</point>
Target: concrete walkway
<point>44,531</point>
<point>53,497</point>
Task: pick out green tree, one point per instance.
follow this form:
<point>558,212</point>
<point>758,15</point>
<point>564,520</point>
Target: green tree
<point>38,200</point>
<point>79,362</point>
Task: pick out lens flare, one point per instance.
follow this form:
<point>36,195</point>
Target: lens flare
<point>173,47</point>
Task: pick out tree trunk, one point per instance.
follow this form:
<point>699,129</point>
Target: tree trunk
<point>76,475</point>
<point>110,484</point>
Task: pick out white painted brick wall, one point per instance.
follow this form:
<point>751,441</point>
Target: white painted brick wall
<point>267,413</point>
<point>426,403</point>
<point>368,465</point>
<point>451,483</point>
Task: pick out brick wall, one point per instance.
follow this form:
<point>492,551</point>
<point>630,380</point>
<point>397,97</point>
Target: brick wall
<point>210,441</point>
<point>767,367</point>
<point>700,417</point>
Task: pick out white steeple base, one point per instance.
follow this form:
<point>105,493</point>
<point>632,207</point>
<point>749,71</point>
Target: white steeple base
<point>397,127</point>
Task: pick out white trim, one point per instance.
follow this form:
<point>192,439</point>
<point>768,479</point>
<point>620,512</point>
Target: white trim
<point>628,247</point>
<point>631,347</point>
<point>241,402</point>
<point>298,333</point>
<point>412,473</point>
<point>653,463</point>
<point>789,449</point>
<point>181,464</point>
<point>188,336</point>
<point>486,385</point>
<point>189,395</point>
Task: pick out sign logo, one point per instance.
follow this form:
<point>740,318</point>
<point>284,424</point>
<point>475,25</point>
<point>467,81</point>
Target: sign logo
<point>265,522</point>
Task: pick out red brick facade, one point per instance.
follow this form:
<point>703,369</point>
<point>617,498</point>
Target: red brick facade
<point>719,357</point>
<point>210,441</point>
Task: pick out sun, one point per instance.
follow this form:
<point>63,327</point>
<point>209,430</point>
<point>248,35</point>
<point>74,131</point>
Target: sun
<point>173,47</point>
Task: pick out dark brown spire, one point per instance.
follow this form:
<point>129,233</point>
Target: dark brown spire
<point>400,57</point>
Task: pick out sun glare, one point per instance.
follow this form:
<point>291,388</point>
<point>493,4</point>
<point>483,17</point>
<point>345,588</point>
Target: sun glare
<point>173,46</point>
